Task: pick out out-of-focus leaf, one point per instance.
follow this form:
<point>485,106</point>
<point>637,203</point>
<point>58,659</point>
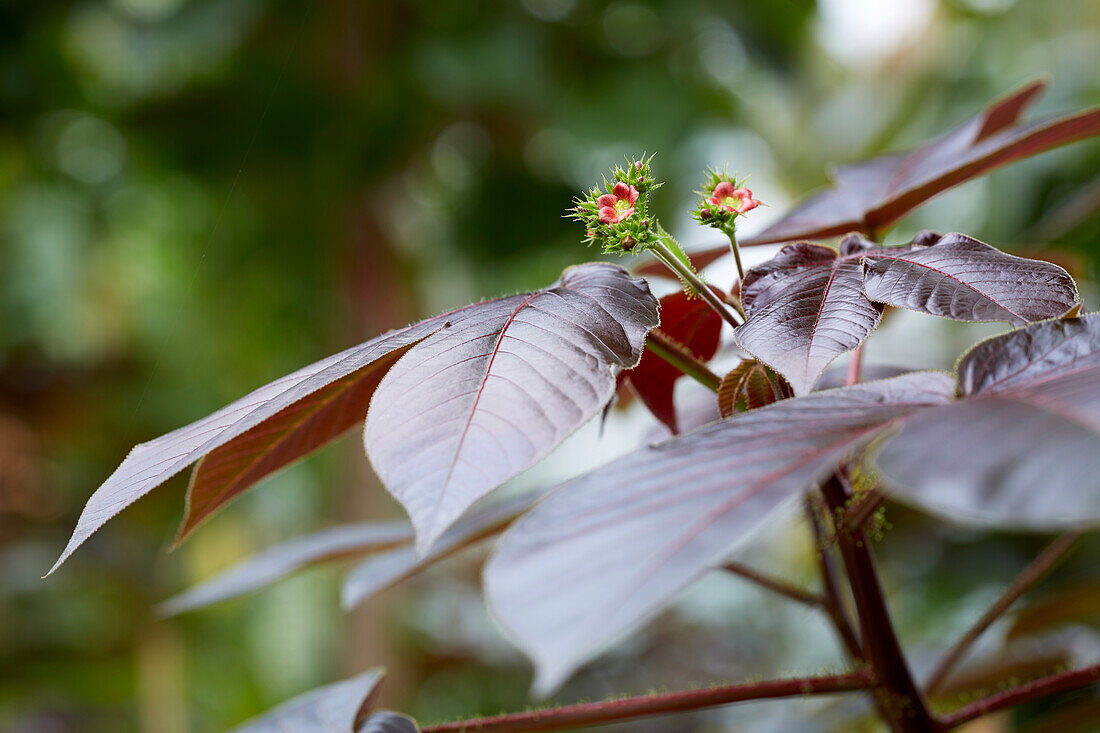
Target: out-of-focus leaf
<point>387,722</point>
<point>280,561</point>
<point>806,306</point>
<point>337,708</point>
<point>1022,448</point>
<point>488,398</point>
<point>878,192</point>
<point>745,386</point>
<point>962,278</point>
<point>874,194</point>
<point>151,464</point>
<point>1076,605</point>
<point>607,551</point>
<point>386,569</point>
<point>689,321</point>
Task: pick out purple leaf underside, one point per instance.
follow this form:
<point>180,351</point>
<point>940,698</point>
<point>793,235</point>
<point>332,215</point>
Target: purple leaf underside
<point>488,398</point>
<point>341,707</point>
<point>607,551</point>
<point>1021,448</point>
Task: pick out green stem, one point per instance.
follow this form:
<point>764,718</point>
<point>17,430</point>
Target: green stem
<point>736,256</point>
<point>667,254</point>
<point>678,356</point>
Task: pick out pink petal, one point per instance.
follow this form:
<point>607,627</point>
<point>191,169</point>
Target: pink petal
<point>723,189</point>
<point>626,213</point>
<point>747,205</point>
<point>607,215</point>
<point>621,190</point>
<point>608,199</point>
<point>633,196</point>
<point>713,201</point>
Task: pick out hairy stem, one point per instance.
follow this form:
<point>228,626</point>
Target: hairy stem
<point>775,585</point>
<point>899,699</point>
<point>680,358</point>
<point>736,256</point>
<point>613,711</point>
<point>672,261</point>
<point>1062,682</point>
<point>831,598</point>
<point>1027,579</point>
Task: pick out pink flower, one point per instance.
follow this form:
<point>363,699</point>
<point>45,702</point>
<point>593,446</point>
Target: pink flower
<point>617,205</point>
<point>733,200</point>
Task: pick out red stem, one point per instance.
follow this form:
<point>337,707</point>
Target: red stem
<point>775,585</point>
<point>1062,682</point>
<point>1031,575</point>
<point>900,701</point>
<point>614,711</point>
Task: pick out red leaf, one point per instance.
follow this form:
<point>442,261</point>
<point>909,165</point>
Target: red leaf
<point>689,321</point>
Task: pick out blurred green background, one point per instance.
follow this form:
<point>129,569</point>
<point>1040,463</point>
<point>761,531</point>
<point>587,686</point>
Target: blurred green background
<point>199,196</point>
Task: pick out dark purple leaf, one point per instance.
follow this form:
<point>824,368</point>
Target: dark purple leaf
<point>387,722</point>
<point>876,193</point>
<point>386,569</point>
<point>488,398</point>
<point>338,708</point>
<point>607,551</point>
<point>277,562</point>
<point>871,195</point>
<point>690,322</point>
<point>806,306</point>
<point>151,464</point>
<point>1022,448</point>
<point>962,278</point>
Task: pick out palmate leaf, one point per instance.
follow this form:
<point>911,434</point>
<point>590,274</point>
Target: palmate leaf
<point>806,306</point>
<point>746,385</point>
<point>810,304</point>
<point>486,399</point>
<point>1022,446</point>
<point>606,551</point>
<point>292,416</point>
<point>342,707</point>
<point>689,321</point>
<point>871,195</point>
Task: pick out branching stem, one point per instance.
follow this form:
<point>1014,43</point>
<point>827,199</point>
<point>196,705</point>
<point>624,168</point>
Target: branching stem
<point>672,261</point>
<point>614,711</point>
<point>775,585</point>
<point>1026,580</point>
<point>1062,682</point>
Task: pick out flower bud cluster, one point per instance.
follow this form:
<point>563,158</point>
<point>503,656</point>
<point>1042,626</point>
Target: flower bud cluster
<point>615,216</point>
<point>724,199</point>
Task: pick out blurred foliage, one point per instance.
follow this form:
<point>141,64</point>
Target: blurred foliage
<point>198,196</point>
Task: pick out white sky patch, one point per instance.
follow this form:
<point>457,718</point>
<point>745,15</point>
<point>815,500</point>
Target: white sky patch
<point>866,31</point>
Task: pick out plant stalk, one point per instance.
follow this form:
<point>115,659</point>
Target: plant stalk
<point>775,585</point>
<point>680,358</point>
<point>673,262</point>
<point>831,598</point>
<point>1062,682</point>
<point>736,256</point>
<point>899,699</point>
<point>614,711</point>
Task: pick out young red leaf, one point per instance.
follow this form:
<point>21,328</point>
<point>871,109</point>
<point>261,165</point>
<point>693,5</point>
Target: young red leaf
<point>151,464</point>
<point>607,551</point>
<point>488,398</point>
<point>1022,446</point>
<point>806,306</point>
<point>746,384</point>
<point>282,560</point>
<point>687,320</point>
<point>962,278</point>
<point>337,708</point>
